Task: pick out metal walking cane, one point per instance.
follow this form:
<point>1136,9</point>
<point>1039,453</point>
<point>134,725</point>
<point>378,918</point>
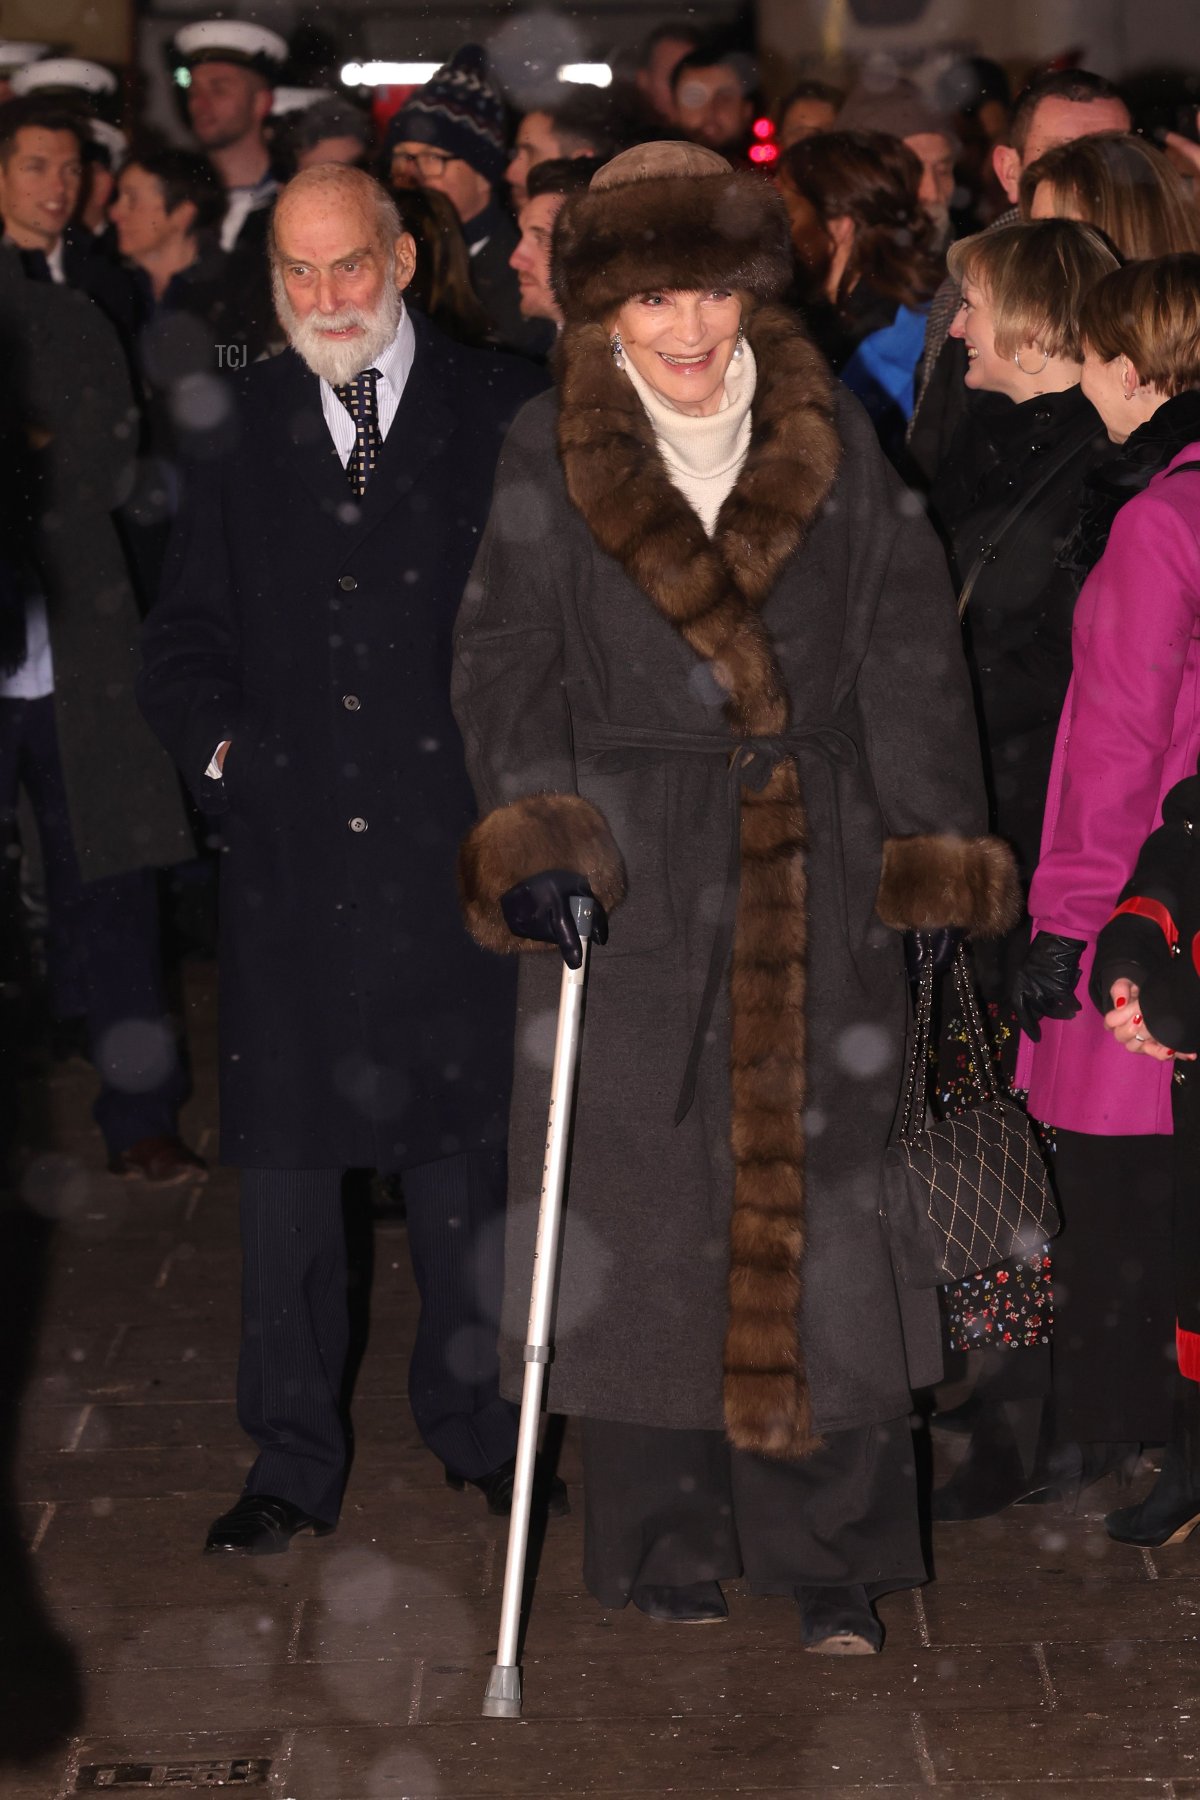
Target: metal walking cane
<point>503,1697</point>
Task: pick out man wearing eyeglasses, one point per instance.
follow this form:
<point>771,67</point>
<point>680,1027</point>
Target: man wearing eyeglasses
<point>449,135</point>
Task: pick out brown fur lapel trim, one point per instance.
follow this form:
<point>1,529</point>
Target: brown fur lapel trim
<point>933,881</point>
<point>713,592</point>
<point>541,831</point>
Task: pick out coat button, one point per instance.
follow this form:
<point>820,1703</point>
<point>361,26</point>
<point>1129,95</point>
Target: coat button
<point>351,702</point>
<point>347,583</point>
<point>357,824</point>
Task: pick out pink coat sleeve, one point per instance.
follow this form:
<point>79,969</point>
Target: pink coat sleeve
<point>1132,661</point>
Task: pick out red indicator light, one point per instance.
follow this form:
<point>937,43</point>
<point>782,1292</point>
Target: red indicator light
<point>763,153</point>
<point>763,128</point>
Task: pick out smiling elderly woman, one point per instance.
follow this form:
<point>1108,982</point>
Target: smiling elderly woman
<point>708,669</point>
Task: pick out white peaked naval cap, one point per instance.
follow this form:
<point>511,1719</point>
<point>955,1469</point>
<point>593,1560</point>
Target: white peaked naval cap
<point>64,75</point>
<point>15,55</point>
<point>294,99</point>
<point>231,40</point>
<point>110,139</point>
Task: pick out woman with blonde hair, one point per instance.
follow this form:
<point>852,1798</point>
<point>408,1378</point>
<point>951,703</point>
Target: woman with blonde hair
<point>1006,498</point>
<point>1009,496</point>
<point>1122,185</point>
<point>1130,730</point>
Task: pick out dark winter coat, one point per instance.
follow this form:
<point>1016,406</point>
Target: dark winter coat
<point>189,349</point>
<point>630,694</point>
<point>873,345</point>
<point>70,432</point>
<point>1153,940</point>
<point>497,288</point>
<point>1018,618</point>
<point>359,1025</point>
<point>91,265</point>
<point>1153,937</point>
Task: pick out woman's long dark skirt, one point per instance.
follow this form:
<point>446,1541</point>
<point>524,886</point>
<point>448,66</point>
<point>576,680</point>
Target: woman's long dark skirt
<point>668,1508</point>
<point>1114,1289</point>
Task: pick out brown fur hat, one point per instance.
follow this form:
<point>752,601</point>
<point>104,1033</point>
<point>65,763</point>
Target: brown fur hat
<point>667,216</point>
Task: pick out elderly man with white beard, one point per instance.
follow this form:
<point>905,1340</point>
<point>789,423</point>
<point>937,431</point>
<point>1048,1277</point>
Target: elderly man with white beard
<point>297,666</point>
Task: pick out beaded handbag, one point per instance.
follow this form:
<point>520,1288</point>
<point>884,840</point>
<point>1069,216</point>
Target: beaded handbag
<point>965,1193</point>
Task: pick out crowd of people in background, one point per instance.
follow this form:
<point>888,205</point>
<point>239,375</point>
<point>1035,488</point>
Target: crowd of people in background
<point>1006,278</point>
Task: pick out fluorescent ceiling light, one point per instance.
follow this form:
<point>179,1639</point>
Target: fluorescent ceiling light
<point>415,74</point>
<point>591,74</point>
<point>388,74</point>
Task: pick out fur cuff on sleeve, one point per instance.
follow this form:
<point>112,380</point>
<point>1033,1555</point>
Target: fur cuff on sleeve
<point>541,831</point>
<point>932,881</point>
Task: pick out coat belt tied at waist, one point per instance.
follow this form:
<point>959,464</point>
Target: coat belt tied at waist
<point>752,761</point>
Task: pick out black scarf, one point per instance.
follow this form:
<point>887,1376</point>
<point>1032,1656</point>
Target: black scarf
<point>1111,483</point>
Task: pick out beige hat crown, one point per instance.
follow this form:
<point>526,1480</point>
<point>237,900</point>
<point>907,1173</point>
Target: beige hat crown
<point>648,162</point>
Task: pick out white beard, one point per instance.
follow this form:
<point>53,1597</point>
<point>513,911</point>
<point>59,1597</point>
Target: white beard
<point>339,360</point>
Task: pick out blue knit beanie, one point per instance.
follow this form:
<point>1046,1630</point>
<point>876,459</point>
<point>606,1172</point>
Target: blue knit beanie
<point>457,111</point>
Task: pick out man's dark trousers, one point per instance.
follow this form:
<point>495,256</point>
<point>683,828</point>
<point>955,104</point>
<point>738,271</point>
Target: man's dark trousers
<point>103,941</point>
<point>295,1324</point>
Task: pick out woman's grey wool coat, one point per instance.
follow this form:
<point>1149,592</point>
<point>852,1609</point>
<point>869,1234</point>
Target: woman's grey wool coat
<point>599,739</point>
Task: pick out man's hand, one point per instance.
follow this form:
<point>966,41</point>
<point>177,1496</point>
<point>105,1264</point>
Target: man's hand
<point>216,762</point>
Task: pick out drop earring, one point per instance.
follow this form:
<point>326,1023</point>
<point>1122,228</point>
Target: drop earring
<point>739,347</point>
<point>618,350</point>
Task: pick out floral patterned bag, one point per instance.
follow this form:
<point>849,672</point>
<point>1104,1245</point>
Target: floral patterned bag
<point>1010,1307</point>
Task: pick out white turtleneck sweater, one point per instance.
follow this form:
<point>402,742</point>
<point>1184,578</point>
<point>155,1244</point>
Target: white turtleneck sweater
<point>703,455</point>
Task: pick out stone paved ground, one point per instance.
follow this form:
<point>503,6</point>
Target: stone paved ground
<point>1043,1662</point>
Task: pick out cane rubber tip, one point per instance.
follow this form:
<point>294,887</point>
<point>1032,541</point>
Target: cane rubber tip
<point>501,1709</point>
<point>503,1697</point>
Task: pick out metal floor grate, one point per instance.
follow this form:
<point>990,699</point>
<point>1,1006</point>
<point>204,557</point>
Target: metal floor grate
<point>157,1777</point>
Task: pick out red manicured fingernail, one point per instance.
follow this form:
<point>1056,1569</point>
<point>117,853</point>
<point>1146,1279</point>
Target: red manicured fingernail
<point>1121,1001</point>
<point>1137,1018</point>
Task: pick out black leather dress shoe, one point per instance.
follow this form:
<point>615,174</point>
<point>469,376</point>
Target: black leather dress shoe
<point>699,1603</point>
<point>497,1488</point>
<point>260,1525</point>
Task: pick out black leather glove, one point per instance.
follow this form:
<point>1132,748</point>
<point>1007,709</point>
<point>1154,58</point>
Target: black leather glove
<point>540,908</point>
<point>938,948</point>
<point>1046,981</point>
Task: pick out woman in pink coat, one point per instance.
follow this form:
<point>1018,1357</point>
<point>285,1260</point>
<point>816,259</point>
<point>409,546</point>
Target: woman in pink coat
<point>1130,730</point>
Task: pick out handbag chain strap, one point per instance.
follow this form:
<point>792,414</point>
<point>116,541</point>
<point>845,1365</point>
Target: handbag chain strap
<point>912,1112</point>
<point>977,1043</point>
<point>918,1062</point>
